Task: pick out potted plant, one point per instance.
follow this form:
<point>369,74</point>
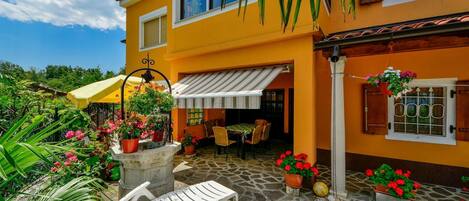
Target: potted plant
<point>156,125</point>
<point>395,183</point>
<point>465,183</point>
<point>296,168</point>
<point>130,130</point>
<point>189,142</point>
<point>392,82</point>
<point>151,101</point>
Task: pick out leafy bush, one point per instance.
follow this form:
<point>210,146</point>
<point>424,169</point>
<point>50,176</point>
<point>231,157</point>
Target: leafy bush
<point>151,101</point>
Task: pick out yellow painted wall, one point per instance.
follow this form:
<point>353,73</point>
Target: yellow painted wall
<point>133,54</point>
<point>297,51</point>
<point>445,63</point>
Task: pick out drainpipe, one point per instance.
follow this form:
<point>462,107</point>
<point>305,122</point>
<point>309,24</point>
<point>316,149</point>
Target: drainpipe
<point>337,65</point>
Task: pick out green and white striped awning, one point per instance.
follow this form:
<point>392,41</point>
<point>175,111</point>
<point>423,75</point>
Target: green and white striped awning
<point>232,89</point>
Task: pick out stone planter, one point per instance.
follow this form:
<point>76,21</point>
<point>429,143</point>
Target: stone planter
<point>153,165</point>
<point>382,195</point>
<point>293,180</point>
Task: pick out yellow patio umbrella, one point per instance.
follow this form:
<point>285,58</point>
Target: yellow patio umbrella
<point>105,91</point>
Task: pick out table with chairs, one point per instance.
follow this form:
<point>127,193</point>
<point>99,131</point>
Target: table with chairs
<point>241,134</point>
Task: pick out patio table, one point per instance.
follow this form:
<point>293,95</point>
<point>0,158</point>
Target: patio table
<point>242,130</point>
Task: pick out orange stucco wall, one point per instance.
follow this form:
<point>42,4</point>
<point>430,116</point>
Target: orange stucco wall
<point>444,63</point>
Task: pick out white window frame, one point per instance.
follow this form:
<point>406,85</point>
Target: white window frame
<point>147,17</point>
<point>450,138</point>
<point>387,3</point>
<point>178,22</point>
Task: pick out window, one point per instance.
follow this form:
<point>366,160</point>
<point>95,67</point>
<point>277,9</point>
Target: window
<point>191,8</point>
<point>394,2</point>
<point>195,117</point>
<point>425,114</point>
<point>153,29</point>
<point>189,11</point>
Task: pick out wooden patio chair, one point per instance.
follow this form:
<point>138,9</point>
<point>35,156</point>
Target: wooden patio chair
<point>266,134</point>
<point>221,140</point>
<point>207,191</point>
<point>255,139</point>
<point>260,122</point>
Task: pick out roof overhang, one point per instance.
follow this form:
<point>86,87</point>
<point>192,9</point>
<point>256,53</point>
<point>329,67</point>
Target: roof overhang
<point>430,33</point>
<point>127,3</point>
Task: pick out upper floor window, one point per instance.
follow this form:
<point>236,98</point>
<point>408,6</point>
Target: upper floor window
<point>394,2</point>
<point>190,8</point>
<point>153,29</point>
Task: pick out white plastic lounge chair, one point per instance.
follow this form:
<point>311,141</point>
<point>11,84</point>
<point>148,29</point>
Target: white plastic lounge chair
<point>205,191</point>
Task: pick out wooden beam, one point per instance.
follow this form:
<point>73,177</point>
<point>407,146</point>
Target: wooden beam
<point>405,45</point>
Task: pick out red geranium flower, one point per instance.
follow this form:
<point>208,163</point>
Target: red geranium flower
<point>57,164</point>
<point>282,156</point>
<point>288,152</point>
<point>369,173</point>
<point>399,191</point>
<point>407,173</point>
<point>400,182</point>
<point>399,172</point>
<point>287,167</point>
<point>307,165</point>
<point>417,185</point>
<point>392,185</point>
<point>301,156</point>
<point>315,171</point>
<point>299,165</point>
<point>279,162</point>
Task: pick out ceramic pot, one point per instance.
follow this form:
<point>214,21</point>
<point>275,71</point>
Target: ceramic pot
<point>189,150</point>
<point>293,180</point>
<point>129,145</point>
<point>383,86</point>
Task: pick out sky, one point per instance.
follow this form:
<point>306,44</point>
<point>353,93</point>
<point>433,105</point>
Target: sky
<point>86,33</point>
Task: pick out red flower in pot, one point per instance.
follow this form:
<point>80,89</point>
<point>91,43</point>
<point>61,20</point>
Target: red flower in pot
<point>189,142</point>
<point>296,168</point>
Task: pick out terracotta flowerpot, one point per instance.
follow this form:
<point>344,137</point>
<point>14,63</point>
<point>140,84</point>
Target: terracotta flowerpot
<point>189,150</point>
<point>158,136</point>
<point>383,86</point>
<point>383,195</point>
<point>129,145</point>
<point>293,180</point>
<point>381,188</point>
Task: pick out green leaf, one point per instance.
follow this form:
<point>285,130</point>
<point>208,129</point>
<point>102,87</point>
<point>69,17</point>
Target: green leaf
<point>297,13</point>
<point>11,161</point>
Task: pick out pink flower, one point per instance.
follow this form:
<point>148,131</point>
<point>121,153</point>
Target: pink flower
<point>54,169</point>
<point>417,185</point>
<point>144,135</point>
<point>69,134</point>
<point>67,163</point>
<point>73,159</point>
<point>287,167</point>
<point>407,174</point>
<point>69,154</point>
<point>80,135</point>
<point>282,156</point>
<point>57,164</point>
<point>288,152</point>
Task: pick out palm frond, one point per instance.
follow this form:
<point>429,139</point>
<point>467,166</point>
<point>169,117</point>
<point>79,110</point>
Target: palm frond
<point>78,189</point>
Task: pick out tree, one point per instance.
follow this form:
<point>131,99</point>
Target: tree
<point>286,8</point>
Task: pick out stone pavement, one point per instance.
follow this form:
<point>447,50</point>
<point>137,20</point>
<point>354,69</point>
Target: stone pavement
<point>259,179</point>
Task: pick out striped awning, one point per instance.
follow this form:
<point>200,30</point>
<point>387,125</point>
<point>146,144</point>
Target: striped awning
<point>232,89</point>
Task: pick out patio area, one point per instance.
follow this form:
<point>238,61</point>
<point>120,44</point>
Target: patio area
<point>259,179</point>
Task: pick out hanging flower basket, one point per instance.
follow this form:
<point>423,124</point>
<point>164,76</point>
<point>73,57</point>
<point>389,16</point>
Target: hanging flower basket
<point>392,82</point>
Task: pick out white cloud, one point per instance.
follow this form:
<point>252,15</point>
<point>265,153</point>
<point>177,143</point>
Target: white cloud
<point>97,14</point>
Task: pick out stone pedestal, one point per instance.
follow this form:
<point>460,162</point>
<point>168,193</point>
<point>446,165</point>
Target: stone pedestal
<point>153,165</point>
